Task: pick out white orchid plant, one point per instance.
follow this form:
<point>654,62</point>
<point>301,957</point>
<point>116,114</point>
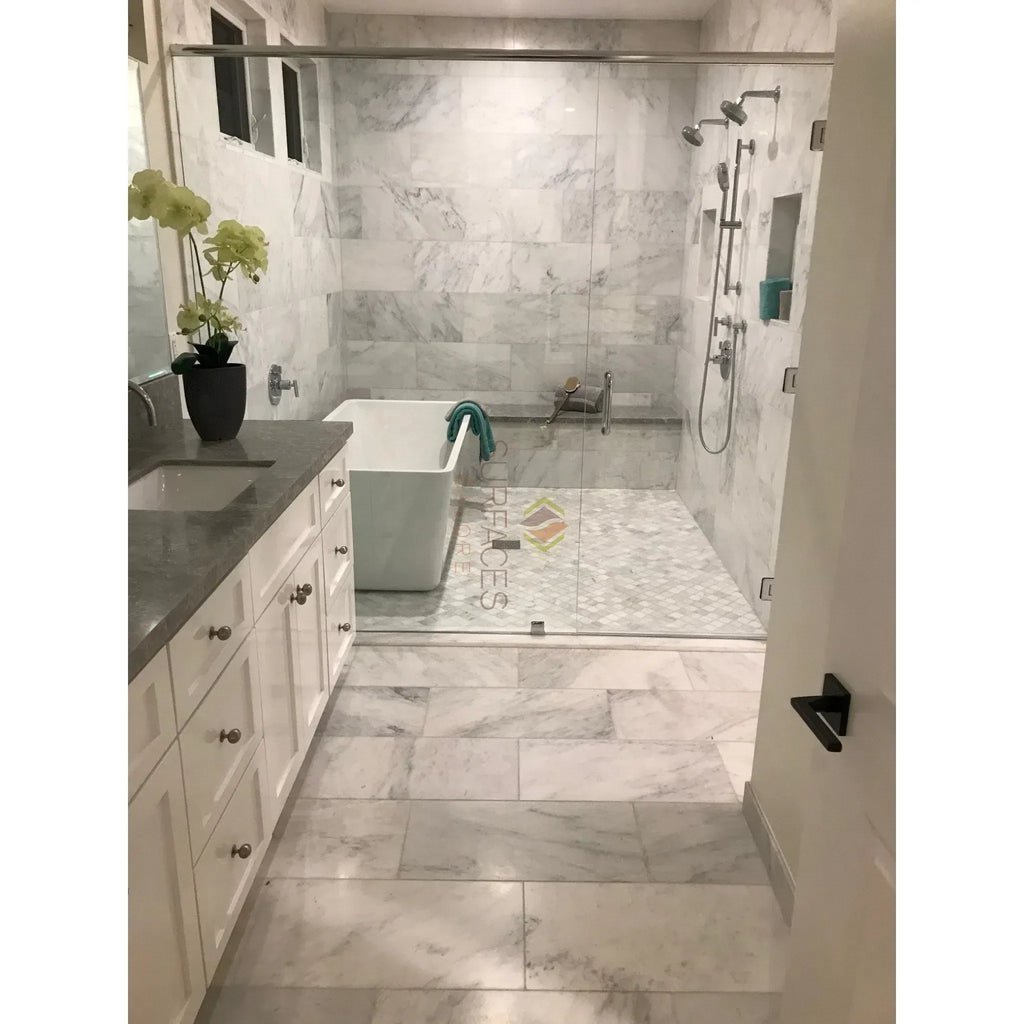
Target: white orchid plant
<point>232,247</point>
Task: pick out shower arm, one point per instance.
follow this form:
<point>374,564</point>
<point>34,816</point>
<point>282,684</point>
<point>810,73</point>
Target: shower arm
<point>732,224</point>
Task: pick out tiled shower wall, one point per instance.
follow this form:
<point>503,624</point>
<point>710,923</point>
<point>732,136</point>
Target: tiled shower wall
<point>499,214</point>
<point>736,497</point>
<point>286,314</point>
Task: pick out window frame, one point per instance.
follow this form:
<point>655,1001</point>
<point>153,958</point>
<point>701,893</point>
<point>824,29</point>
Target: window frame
<point>296,70</point>
<point>217,11</point>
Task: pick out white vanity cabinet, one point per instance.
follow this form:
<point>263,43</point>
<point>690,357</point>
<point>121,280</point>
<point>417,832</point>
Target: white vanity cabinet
<point>220,722</point>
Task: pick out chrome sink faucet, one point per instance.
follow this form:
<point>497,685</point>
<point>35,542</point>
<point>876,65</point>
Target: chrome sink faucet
<point>137,389</point>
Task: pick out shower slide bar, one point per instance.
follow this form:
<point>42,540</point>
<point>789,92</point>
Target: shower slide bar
<point>561,56</point>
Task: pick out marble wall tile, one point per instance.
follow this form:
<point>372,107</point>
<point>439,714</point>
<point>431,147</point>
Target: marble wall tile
<point>558,319</point>
<point>368,30</point>
<point>378,265</point>
<point>403,316</point>
<point>244,1004</point>
<point>345,219</point>
<point>699,938</point>
<point>551,269</point>
<point>603,770</point>
<point>368,362</point>
<point>566,34</point>
<point>536,105</point>
<point>379,934</point>
<point>462,159</point>
<point>553,161</point>
<point>517,713</point>
<point>467,365</point>
<point>702,843</point>
<point>377,711</point>
<point>340,839</point>
<point>684,716</point>
<point>375,158</point>
<point>518,840</point>
<point>462,266</point>
<point>431,666</point>
<point>472,33</point>
<point>366,101</point>
<point>633,107</point>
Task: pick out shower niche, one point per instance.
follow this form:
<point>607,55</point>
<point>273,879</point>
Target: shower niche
<point>782,250</point>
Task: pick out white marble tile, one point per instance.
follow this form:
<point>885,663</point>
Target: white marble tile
<point>465,365</point>
<point>461,266</point>
<point>739,762</point>
<point>602,670</point>
<point>340,839</point>
<point>533,1008</point>
<point>268,1005</point>
<point>684,716</point>
<point>432,666</point>
<point>383,768</point>
<point>382,934</point>
<point>605,770</point>
<point>562,268</point>
<point>535,105</point>
<point>675,938</point>
<point>564,714</point>
<point>520,840</point>
<point>377,711</point>
<point>380,265</point>
<point>731,671</point>
<point>699,843</point>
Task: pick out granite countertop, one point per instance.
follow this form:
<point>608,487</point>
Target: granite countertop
<point>176,559</point>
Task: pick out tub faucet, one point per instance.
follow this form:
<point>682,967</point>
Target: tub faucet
<point>134,388</point>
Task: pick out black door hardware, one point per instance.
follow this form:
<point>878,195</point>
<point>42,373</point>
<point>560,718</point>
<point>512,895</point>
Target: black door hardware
<point>833,707</point>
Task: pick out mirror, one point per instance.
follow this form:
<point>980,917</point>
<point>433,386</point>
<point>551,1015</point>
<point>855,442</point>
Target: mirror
<point>149,346</point>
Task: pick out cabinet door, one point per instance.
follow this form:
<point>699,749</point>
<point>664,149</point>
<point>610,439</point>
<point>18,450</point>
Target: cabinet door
<point>283,735</point>
<point>310,637</point>
<point>166,983</point>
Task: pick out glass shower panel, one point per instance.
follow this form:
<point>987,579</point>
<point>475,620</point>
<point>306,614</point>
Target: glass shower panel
<point>438,249</point>
<point>676,539</point>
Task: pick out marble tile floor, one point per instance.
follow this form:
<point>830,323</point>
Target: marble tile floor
<point>517,836</point>
<point>592,560</point>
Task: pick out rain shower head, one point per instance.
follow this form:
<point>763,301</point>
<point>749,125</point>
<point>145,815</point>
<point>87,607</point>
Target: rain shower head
<point>723,176</point>
<point>692,133</point>
<point>734,109</point>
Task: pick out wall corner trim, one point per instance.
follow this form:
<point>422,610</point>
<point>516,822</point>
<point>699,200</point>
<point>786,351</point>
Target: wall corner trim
<point>779,874</point>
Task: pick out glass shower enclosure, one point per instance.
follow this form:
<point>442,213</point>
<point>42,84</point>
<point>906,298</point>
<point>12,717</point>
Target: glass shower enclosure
<point>537,233</point>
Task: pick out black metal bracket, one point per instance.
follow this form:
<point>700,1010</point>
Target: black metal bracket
<point>826,716</point>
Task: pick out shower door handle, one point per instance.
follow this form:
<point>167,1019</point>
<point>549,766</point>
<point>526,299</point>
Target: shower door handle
<point>606,423</point>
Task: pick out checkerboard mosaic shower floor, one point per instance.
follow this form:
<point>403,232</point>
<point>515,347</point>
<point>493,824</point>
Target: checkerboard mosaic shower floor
<point>590,561</point>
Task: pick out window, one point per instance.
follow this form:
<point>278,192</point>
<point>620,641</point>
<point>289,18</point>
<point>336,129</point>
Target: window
<point>292,112</point>
<point>229,73</point>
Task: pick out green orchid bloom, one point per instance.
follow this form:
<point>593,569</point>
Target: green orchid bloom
<point>236,246</point>
<point>147,195</point>
<point>184,210</point>
<point>202,312</point>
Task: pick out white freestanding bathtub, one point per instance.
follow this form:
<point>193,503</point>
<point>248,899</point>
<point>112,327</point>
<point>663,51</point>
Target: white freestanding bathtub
<point>401,466</point>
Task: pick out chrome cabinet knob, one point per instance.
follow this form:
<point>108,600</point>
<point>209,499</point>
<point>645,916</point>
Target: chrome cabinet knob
<point>224,633</point>
<point>242,851</point>
<point>232,737</point>
<point>337,483</point>
<point>302,591</point>
<point>341,551</point>
<point>344,627</point>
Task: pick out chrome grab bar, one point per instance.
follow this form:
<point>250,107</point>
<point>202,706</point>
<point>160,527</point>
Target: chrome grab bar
<point>606,423</point>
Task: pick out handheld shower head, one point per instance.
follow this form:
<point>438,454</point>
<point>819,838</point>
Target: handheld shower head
<point>723,176</point>
<point>734,109</point>
<point>693,134</point>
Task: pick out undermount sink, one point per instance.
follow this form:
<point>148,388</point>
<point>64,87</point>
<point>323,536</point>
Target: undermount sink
<point>184,487</point>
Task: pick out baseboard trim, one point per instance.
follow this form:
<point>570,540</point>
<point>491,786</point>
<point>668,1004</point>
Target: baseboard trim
<point>779,874</point>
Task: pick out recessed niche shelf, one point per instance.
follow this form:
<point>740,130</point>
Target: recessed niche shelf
<point>705,267</point>
<point>782,246</point>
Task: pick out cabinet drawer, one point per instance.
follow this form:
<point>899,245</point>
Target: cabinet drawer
<point>151,725</point>
<point>274,555</point>
<point>219,742</point>
<point>198,654</point>
<point>228,865</point>
<point>337,538</point>
<point>340,613</point>
<point>333,486</point>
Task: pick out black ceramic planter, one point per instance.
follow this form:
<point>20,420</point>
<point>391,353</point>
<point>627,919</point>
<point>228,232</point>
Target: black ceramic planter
<point>215,398</point>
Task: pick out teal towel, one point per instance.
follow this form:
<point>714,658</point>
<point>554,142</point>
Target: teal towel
<point>478,423</point>
<point>770,289</point>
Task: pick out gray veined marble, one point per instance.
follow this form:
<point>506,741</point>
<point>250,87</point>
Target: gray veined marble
<point>518,713</point>
<point>723,670</point>
<point>377,711</point>
<point>340,839</point>
<point>684,716</point>
<point>674,938</point>
<point>698,842</point>
<point>519,840</point>
<point>243,1004</point>
<point>382,934</point>
<point>602,670</point>
<point>432,666</point>
<point>421,769</point>
<point>608,770</point>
